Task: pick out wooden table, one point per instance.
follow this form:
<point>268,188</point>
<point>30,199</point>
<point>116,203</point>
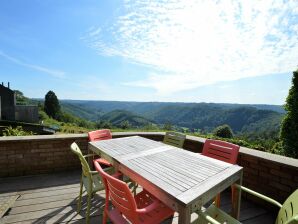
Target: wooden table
<point>183,180</point>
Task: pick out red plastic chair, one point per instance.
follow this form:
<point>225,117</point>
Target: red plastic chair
<point>142,208</point>
<point>98,135</point>
<point>223,151</point>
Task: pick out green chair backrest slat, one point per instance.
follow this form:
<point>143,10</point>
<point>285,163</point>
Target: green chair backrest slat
<point>288,214</point>
<point>174,138</point>
<point>85,167</point>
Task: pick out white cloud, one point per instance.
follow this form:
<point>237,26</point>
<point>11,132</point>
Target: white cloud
<point>194,43</point>
<point>52,72</point>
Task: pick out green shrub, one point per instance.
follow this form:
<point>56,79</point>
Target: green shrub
<point>18,131</point>
<point>223,131</point>
<point>42,115</point>
<point>277,149</point>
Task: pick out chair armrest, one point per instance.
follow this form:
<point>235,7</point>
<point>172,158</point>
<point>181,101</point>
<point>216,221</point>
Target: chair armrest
<point>89,155</point>
<point>208,218</point>
<point>149,208</point>
<point>265,198</point>
<point>106,170</point>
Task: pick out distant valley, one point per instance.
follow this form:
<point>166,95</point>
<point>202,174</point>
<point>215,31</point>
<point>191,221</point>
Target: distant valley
<point>203,117</point>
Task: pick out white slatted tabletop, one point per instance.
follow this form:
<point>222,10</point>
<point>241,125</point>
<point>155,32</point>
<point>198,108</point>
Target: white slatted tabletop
<point>123,147</point>
<point>183,180</point>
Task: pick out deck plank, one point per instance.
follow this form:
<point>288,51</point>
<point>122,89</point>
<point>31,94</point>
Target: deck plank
<point>53,203</point>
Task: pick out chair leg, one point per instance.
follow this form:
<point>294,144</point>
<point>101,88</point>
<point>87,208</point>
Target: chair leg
<point>104,219</point>
<point>217,201</point>
<point>79,206</point>
<point>88,208</point>
<point>135,186</point>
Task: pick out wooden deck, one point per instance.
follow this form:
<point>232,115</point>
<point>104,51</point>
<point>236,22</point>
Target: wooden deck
<point>51,198</point>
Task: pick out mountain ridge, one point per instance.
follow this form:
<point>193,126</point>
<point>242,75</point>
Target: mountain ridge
<point>204,117</point>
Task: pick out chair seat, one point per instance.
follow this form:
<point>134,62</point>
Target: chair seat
<point>144,199</point>
<point>217,214</point>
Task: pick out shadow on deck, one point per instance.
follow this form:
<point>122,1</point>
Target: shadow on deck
<point>52,198</point>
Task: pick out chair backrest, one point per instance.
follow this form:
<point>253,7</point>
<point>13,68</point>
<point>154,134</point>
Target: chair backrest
<point>99,135</point>
<point>174,138</point>
<point>85,167</point>
<point>119,194</point>
<point>288,214</point>
<point>221,150</point>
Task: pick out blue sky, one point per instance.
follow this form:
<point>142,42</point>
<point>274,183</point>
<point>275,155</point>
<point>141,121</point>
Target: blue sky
<point>187,51</point>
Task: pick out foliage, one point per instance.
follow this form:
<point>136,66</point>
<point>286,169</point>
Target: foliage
<point>23,100</point>
<point>150,127</point>
<point>71,128</point>
<point>103,124</point>
<point>277,148</point>
<point>42,115</point>
<point>119,117</point>
<point>223,131</point>
<point>254,126</point>
<point>243,119</point>
<point>289,127</point>
<point>51,105</point>
<point>168,126</point>
<point>125,124</point>
<point>20,98</point>
<point>18,131</point>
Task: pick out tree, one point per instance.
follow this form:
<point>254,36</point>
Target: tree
<point>125,124</point>
<point>20,98</point>
<point>223,131</point>
<point>289,126</point>
<point>51,105</point>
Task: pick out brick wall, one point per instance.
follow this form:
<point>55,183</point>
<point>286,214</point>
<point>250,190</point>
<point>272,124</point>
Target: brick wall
<point>38,154</point>
<point>273,175</point>
<point>28,155</point>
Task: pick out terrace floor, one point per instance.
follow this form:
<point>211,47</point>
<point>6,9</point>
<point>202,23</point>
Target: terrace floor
<point>51,198</point>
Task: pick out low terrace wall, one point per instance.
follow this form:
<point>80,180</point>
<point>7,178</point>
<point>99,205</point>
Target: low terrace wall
<point>273,175</point>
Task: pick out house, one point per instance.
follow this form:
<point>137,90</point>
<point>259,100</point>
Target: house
<point>12,112</point>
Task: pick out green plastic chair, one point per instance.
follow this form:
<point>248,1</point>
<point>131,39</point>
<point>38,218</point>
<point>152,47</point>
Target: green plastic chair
<point>174,138</point>
<point>288,212</point>
<point>90,179</point>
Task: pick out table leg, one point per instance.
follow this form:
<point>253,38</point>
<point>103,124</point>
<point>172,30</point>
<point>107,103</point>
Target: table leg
<point>237,200</point>
<point>184,215</point>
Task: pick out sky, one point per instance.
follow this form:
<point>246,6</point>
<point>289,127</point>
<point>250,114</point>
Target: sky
<point>223,51</point>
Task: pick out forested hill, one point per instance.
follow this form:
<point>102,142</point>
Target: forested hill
<point>203,116</point>
<point>119,117</point>
<point>143,107</point>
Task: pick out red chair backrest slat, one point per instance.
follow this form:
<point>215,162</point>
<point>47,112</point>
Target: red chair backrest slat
<point>221,150</point>
<point>98,135</point>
